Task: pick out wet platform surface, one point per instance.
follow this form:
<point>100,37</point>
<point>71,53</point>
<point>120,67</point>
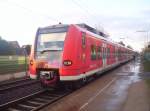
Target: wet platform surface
<point>108,93</point>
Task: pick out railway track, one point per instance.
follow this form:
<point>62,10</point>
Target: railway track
<point>16,84</point>
<point>34,102</point>
<point>13,81</point>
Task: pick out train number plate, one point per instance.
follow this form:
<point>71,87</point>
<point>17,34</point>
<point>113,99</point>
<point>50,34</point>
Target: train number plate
<point>44,72</point>
<point>47,74</point>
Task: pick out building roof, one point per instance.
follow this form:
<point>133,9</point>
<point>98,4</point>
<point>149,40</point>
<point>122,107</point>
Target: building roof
<point>14,44</point>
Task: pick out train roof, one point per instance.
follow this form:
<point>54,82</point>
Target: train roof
<point>54,28</point>
<point>100,34</point>
<point>64,27</point>
<point>93,30</point>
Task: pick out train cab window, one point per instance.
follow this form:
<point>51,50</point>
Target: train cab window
<point>98,52</point>
<point>83,39</point>
<point>93,52</point>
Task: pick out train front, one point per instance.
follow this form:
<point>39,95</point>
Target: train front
<point>46,55</point>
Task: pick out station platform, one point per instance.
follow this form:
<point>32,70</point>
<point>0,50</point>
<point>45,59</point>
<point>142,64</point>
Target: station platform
<point>121,89</point>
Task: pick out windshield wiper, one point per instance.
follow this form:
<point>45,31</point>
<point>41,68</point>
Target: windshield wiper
<point>47,50</point>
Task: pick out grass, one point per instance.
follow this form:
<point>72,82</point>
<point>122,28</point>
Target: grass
<point>12,64</point>
<point>148,82</point>
<point>146,65</point>
<point>146,68</point>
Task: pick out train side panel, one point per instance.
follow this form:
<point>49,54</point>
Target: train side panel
<point>72,53</point>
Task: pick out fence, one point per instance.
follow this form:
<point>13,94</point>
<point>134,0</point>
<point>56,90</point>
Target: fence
<point>13,64</point>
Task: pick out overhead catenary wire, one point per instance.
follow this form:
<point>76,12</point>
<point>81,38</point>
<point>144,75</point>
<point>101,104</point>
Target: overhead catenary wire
<point>35,12</point>
<point>32,11</point>
<point>86,12</point>
<point>85,9</point>
<point>89,14</point>
<point>80,6</point>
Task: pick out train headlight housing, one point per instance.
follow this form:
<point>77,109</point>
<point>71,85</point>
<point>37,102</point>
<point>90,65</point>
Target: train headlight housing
<point>31,62</point>
<point>67,62</point>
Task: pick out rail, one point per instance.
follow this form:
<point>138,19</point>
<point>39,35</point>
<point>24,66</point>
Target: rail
<point>16,84</point>
<point>34,102</point>
<point>13,64</point>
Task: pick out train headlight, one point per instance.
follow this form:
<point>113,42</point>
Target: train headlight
<point>67,62</point>
<point>31,62</point>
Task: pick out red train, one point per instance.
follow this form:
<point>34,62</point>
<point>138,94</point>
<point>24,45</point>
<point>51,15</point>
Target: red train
<point>72,53</point>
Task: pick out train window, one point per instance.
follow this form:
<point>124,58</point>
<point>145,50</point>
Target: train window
<point>119,53</point>
<point>114,54</point>
<point>83,39</point>
<point>98,52</point>
<point>108,52</point>
<point>104,52</point>
<point>111,54</point>
<point>51,41</point>
<point>93,52</point>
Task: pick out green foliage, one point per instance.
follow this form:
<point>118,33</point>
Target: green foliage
<point>13,64</point>
<point>146,53</point>
<point>5,48</point>
<point>148,82</point>
<point>146,65</point>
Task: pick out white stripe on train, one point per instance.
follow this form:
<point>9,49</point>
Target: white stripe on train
<point>89,73</point>
<point>82,76</point>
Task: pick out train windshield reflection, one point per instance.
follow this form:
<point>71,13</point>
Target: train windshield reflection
<point>51,41</point>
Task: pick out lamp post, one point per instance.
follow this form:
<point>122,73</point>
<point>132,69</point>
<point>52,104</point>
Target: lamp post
<point>25,55</point>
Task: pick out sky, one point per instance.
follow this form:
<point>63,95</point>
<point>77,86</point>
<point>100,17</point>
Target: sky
<point>124,20</point>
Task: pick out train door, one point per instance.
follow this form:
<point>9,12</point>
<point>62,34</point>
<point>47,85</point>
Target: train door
<point>84,48</point>
<point>116,54</point>
<point>104,55</point>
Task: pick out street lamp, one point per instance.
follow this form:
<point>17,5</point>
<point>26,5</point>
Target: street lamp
<point>25,55</point>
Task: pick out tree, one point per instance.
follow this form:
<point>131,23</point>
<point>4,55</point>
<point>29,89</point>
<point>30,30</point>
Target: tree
<point>5,48</point>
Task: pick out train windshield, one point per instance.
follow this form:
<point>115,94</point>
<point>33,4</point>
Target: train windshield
<point>51,41</point>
